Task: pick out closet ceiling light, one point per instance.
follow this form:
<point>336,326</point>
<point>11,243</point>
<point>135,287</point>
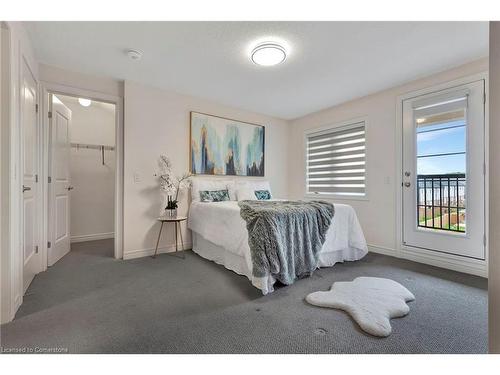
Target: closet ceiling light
<point>84,102</point>
<point>268,54</point>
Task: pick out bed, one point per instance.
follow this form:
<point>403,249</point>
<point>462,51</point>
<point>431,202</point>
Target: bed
<point>219,233</point>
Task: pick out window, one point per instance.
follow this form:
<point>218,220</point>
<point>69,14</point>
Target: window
<point>336,161</point>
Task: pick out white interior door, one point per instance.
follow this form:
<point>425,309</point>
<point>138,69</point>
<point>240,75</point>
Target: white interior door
<point>60,187</point>
<point>443,171</point>
<point>32,262</point>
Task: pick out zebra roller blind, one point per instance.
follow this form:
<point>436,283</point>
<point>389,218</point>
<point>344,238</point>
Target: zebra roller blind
<point>336,161</point>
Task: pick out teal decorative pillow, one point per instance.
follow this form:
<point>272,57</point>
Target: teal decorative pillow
<point>220,195</point>
<point>205,196</point>
<point>214,195</point>
<point>262,195</point>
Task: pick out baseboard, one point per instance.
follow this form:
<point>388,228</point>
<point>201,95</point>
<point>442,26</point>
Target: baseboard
<point>92,237</point>
<point>447,261</point>
<point>382,250</point>
<point>8,312</point>
<point>465,265</point>
<point>17,304</point>
<point>149,252</point>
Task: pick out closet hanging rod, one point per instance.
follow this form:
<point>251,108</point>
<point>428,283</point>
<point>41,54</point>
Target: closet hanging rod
<point>92,147</point>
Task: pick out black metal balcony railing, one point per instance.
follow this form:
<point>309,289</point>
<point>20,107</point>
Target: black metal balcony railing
<point>441,202</point>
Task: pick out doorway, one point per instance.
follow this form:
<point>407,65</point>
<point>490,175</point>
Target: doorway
<point>443,170</point>
<point>82,172</point>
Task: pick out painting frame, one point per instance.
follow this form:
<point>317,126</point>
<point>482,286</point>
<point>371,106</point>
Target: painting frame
<point>222,167</point>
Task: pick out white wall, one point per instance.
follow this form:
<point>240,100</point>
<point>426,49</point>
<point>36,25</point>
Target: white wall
<point>92,200</point>
<point>94,124</point>
<point>157,122</point>
<point>494,204</point>
<point>377,214</point>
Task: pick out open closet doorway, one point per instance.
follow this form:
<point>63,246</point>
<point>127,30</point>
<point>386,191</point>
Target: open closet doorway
<point>82,168</point>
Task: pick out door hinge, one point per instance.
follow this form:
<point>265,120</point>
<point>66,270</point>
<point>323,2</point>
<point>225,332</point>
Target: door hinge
<point>484,239</point>
<point>484,169</point>
<point>49,244</point>
<point>49,179</point>
<point>36,249</point>
<point>36,178</point>
<point>484,98</point>
<point>36,108</point>
<point>50,114</point>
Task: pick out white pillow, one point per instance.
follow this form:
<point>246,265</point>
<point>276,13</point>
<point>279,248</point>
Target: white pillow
<point>245,190</point>
<point>210,183</point>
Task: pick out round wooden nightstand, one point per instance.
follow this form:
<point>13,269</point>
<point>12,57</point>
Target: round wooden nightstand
<point>177,221</point>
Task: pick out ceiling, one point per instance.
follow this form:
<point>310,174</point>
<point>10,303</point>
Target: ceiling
<point>328,62</point>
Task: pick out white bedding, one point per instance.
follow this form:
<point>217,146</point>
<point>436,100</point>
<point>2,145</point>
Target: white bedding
<point>220,223</point>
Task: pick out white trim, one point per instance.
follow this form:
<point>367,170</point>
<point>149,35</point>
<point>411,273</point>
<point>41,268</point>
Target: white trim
<point>92,237</point>
<point>19,51</point>
<point>7,177</point>
<point>343,124</point>
<point>449,261</point>
<point>382,250</point>
<point>18,301</point>
<point>452,262</point>
<point>335,196</point>
<point>118,102</point>
<point>44,173</point>
<point>149,252</point>
<point>16,261</point>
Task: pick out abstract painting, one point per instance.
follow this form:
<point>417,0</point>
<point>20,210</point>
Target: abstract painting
<point>221,146</point>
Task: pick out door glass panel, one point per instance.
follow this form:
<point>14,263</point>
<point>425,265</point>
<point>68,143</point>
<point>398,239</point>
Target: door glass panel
<point>430,139</point>
<point>441,169</point>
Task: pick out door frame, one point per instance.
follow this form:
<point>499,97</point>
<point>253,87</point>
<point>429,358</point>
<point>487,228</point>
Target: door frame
<point>444,260</point>
<point>53,88</point>
<point>37,166</point>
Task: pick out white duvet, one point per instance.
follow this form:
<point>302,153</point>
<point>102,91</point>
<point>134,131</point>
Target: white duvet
<point>221,224</point>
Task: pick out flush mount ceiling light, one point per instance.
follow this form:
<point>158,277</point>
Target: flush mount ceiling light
<point>84,102</point>
<point>268,54</point>
<point>134,54</point>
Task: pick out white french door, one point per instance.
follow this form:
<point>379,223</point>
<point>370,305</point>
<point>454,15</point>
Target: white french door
<point>60,187</point>
<point>443,171</point>
<point>32,257</point>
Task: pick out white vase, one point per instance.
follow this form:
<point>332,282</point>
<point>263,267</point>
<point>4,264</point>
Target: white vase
<point>171,212</point>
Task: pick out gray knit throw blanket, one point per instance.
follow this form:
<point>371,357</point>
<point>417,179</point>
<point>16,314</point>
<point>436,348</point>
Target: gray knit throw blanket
<point>285,237</point>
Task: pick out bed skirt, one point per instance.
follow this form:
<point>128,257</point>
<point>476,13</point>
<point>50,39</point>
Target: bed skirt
<point>238,264</point>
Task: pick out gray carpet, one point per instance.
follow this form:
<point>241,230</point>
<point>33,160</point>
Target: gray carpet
<point>91,303</point>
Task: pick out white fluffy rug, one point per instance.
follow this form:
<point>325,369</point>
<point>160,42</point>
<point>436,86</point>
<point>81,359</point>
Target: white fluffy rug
<point>371,301</point>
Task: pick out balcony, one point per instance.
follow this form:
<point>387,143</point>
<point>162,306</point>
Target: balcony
<point>441,202</point>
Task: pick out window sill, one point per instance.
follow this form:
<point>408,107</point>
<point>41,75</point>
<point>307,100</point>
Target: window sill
<point>336,197</point>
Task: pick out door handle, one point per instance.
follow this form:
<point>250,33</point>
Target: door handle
<point>26,188</point>
<point>70,188</point>
<point>407,184</point>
